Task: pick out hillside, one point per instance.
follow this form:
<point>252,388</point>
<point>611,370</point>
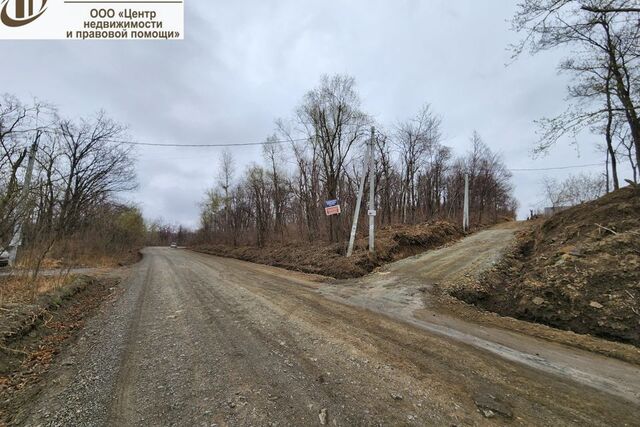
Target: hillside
<point>578,270</point>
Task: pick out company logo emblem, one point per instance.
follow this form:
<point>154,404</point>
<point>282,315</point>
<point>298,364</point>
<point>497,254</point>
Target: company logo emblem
<point>16,13</point>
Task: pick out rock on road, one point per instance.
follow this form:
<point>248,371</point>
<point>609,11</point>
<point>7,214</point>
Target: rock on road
<point>199,340</point>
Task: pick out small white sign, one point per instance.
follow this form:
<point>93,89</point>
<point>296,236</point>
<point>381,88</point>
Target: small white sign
<point>372,212</point>
<point>91,19</point>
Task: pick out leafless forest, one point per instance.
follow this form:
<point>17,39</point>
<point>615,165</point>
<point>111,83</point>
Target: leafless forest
<point>317,155</point>
<point>70,211</point>
<point>420,178</point>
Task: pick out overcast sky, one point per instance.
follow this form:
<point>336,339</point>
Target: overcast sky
<point>244,64</point>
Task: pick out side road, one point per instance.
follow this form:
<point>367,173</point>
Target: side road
<point>407,291</point>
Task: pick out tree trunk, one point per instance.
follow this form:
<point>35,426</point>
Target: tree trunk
<point>623,94</point>
<point>609,137</point>
<point>606,174</point>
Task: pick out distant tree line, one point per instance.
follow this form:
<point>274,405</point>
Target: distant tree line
<point>573,190</point>
<point>79,167</point>
<point>603,41</point>
<point>160,233</point>
<point>317,155</point>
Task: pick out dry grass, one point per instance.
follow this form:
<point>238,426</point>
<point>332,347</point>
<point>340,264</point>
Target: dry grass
<point>82,260</point>
<point>53,265</point>
<point>75,253</point>
<point>22,288</point>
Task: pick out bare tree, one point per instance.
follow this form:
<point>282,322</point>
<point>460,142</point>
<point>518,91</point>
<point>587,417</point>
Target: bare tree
<point>415,138</point>
<point>605,36</point>
<point>307,189</point>
<point>385,176</point>
<point>260,202</point>
<point>19,132</point>
<point>79,167</point>
<point>94,165</point>
<point>274,154</point>
<point>574,190</point>
<point>332,117</point>
<point>225,179</point>
<point>240,212</point>
<point>210,208</point>
<point>49,184</point>
<point>489,183</point>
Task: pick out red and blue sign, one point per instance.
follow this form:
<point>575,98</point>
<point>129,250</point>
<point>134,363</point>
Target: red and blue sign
<point>332,207</point>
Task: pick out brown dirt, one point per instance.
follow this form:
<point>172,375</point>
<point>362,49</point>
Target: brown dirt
<point>392,244</point>
<point>201,340</point>
<point>579,271</point>
<point>32,334</point>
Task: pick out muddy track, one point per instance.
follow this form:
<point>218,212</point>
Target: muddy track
<point>200,340</point>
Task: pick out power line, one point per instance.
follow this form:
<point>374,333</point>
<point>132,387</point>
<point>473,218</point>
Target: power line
<point>240,144</point>
<point>273,142</point>
<point>556,168</point>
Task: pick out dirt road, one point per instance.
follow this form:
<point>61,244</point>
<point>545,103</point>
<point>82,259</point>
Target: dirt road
<point>199,340</point>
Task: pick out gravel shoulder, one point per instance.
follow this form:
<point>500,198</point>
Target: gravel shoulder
<point>200,340</point>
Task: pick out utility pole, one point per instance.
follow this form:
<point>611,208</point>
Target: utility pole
<point>465,215</point>
<point>356,214</point>
<point>372,193</point>
<point>16,241</point>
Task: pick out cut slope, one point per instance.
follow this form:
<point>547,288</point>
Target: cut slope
<point>578,270</point>
<point>392,243</point>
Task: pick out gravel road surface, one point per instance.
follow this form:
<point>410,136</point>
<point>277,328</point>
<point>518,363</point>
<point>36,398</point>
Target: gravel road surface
<point>196,340</point>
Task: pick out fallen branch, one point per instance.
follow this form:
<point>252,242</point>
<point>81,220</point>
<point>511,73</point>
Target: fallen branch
<point>607,229</point>
<point>11,350</point>
<point>46,322</point>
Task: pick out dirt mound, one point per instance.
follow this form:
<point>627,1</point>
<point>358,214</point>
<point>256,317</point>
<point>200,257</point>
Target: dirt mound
<point>392,243</point>
<point>578,270</point>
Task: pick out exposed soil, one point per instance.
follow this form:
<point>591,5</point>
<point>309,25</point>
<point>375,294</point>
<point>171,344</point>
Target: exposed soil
<point>201,340</point>
<point>392,243</point>
<point>32,334</point>
<point>578,270</point>
<point>414,290</point>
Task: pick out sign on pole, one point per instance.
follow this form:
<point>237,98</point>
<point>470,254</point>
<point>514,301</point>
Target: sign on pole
<point>332,207</point>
